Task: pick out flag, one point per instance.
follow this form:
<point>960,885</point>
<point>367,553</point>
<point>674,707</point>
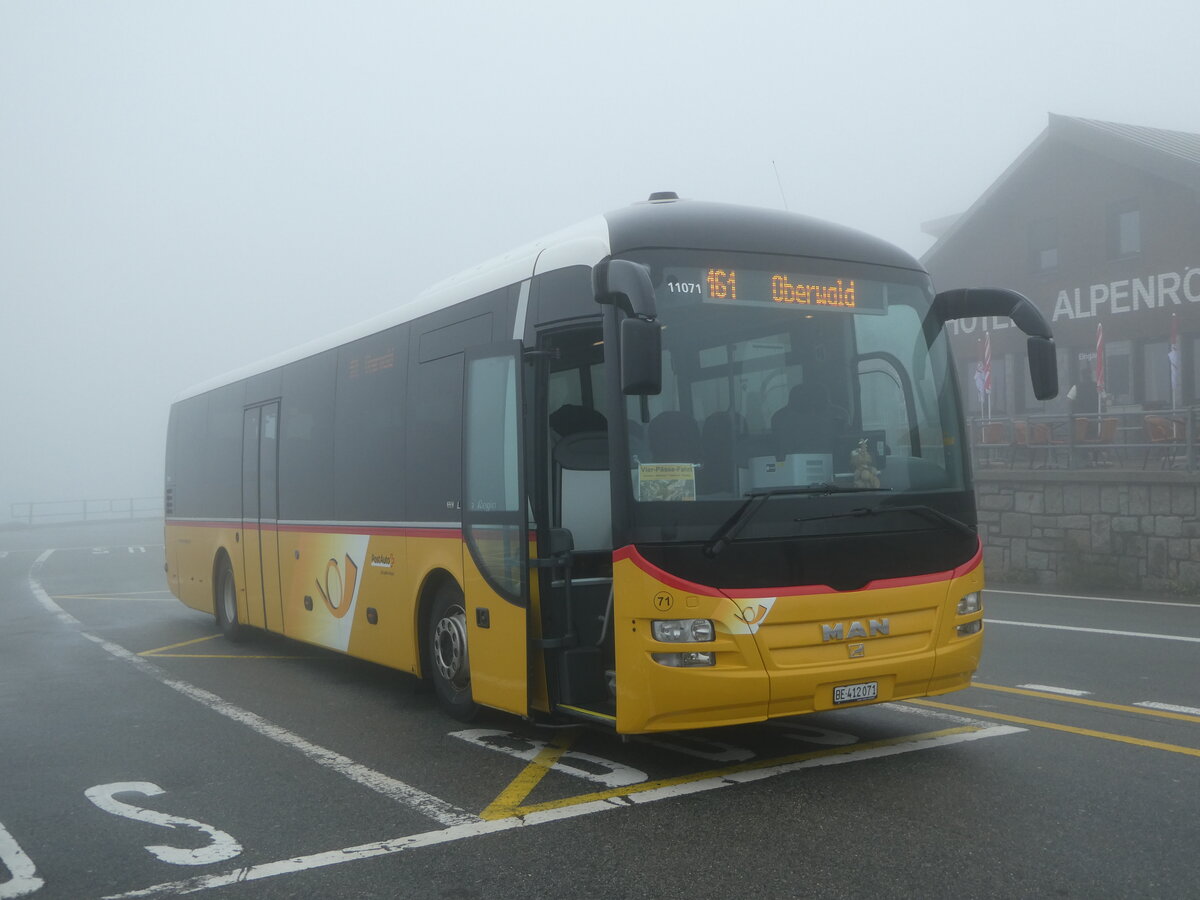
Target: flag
<point>1173,360</point>
<point>1099,357</point>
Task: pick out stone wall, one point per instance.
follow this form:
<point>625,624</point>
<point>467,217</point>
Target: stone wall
<point>1097,529</point>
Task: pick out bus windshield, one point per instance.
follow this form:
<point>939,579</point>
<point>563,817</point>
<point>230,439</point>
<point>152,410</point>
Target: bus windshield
<point>787,372</point>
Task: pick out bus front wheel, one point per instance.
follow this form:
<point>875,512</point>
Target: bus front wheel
<point>227,605</point>
<point>446,641</point>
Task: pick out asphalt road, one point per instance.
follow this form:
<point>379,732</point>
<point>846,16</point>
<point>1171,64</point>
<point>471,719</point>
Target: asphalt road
<point>141,755</point>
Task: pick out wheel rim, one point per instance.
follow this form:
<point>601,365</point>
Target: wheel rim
<point>228,600</point>
<point>450,648</point>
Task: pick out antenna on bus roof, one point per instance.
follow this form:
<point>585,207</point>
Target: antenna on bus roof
<point>779,181</point>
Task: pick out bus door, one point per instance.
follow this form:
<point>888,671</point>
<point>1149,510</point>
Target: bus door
<point>573,498</point>
<point>260,516</point>
<point>495,528</point>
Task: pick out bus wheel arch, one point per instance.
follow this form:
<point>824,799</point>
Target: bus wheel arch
<point>445,660</point>
<point>225,602</point>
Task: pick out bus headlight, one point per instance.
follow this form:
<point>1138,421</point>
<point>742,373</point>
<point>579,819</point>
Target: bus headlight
<point>972,603</point>
<point>685,660</point>
<point>970,628</point>
<point>683,631</point>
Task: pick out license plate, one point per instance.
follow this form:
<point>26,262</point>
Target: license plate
<point>852,693</point>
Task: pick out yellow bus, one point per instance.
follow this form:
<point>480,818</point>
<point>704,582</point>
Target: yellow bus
<point>682,465</point>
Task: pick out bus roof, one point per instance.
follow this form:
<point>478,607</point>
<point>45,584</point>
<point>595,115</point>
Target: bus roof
<point>657,223</point>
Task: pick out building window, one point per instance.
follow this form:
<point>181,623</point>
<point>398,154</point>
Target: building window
<point>1043,245</point>
<point>1156,374</point>
<point>1124,230</point>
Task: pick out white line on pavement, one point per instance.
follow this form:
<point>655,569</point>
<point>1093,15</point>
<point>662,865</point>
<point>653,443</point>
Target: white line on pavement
<point>1169,707</point>
<point>925,711</point>
<point>1050,689</point>
<point>1088,597</point>
<point>427,804</point>
<point>23,878</point>
<point>476,829</point>
<point>1140,634</point>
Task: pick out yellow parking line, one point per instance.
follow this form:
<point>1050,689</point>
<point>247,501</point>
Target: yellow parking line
<point>1141,711</point>
<point>207,637</point>
<point>222,656</point>
<point>97,596</point>
<point>511,798</point>
<point>161,652</point>
<point>131,596</point>
<point>1087,732</point>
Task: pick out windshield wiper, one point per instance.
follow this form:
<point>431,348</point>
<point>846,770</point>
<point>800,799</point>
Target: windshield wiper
<point>741,517</point>
<point>920,509</point>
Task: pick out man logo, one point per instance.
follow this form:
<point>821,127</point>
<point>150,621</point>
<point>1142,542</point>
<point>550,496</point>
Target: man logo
<point>838,631</point>
<point>857,650</point>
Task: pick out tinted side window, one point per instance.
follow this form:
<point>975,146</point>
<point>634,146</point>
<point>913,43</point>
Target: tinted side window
<point>306,432</point>
<point>435,440</point>
<point>433,420</point>
<point>369,442</point>
<point>205,470</point>
<point>564,294</point>
<point>189,423</point>
<point>223,453</point>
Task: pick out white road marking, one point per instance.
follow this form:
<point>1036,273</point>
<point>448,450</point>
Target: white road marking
<point>1140,634</point>
<point>221,847</point>
<point>1050,689</point>
<point>477,829</point>
<point>1087,597</point>
<point>1169,707</point>
<point>414,798</point>
<point>24,878</point>
<point>581,765</point>
<point>928,713</point>
<point>699,747</point>
<point>71,549</point>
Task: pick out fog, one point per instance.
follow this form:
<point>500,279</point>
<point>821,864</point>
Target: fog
<point>188,187</point>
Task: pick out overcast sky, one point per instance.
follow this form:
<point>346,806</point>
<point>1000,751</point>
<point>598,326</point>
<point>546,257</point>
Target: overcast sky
<point>186,187</point>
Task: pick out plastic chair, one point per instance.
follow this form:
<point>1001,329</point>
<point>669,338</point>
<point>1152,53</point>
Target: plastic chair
<point>1041,437</point>
<point>1165,433</point>
<point>1106,436</point>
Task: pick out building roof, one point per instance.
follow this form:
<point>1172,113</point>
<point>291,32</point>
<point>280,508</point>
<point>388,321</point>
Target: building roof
<point>1173,155</point>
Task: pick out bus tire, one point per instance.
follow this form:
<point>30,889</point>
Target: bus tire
<point>227,605</point>
<point>446,644</point>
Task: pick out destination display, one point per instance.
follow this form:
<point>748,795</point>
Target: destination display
<point>739,286</point>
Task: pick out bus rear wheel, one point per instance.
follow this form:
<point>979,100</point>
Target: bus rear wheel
<point>446,643</point>
<point>227,605</point>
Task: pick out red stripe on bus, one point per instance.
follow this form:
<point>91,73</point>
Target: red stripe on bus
<point>630,552</point>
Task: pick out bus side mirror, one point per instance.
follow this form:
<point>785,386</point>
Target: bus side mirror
<point>641,357</point>
<point>1043,367</point>
<point>963,303</point>
<point>627,285</point>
